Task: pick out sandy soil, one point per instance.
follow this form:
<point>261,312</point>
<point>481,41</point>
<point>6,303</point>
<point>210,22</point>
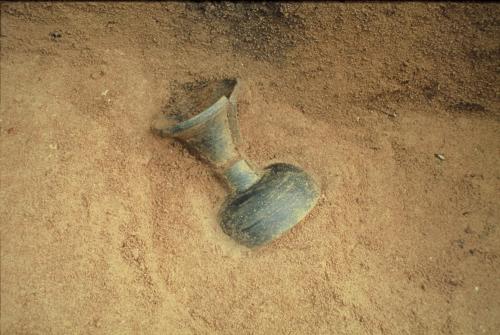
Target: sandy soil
<point>107,229</point>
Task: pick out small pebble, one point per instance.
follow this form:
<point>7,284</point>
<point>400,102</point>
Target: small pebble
<point>440,156</point>
<point>55,35</point>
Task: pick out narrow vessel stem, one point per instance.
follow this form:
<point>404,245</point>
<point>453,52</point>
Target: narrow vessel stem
<point>240,176</point>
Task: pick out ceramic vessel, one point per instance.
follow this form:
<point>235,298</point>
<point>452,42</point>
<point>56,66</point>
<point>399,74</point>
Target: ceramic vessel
<point>262,204</point>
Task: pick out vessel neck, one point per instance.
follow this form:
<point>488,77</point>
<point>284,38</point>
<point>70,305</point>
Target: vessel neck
<point>240,176</point>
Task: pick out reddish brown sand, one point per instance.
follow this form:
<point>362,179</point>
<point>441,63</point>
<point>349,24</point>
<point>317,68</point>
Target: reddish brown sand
<point>107,229</point>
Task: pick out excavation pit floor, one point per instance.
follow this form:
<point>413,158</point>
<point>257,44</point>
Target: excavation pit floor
<point>393,108</point>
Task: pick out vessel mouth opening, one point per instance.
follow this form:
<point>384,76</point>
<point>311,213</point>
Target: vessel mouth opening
<point>192,98</point>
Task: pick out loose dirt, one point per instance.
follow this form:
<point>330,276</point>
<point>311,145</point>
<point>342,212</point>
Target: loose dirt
<point>108,229</point>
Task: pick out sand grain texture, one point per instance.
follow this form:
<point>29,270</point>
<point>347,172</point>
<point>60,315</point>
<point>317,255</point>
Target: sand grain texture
<point>107,229</point>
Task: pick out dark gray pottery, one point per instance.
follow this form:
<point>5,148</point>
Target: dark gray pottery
<point>262,204</point>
